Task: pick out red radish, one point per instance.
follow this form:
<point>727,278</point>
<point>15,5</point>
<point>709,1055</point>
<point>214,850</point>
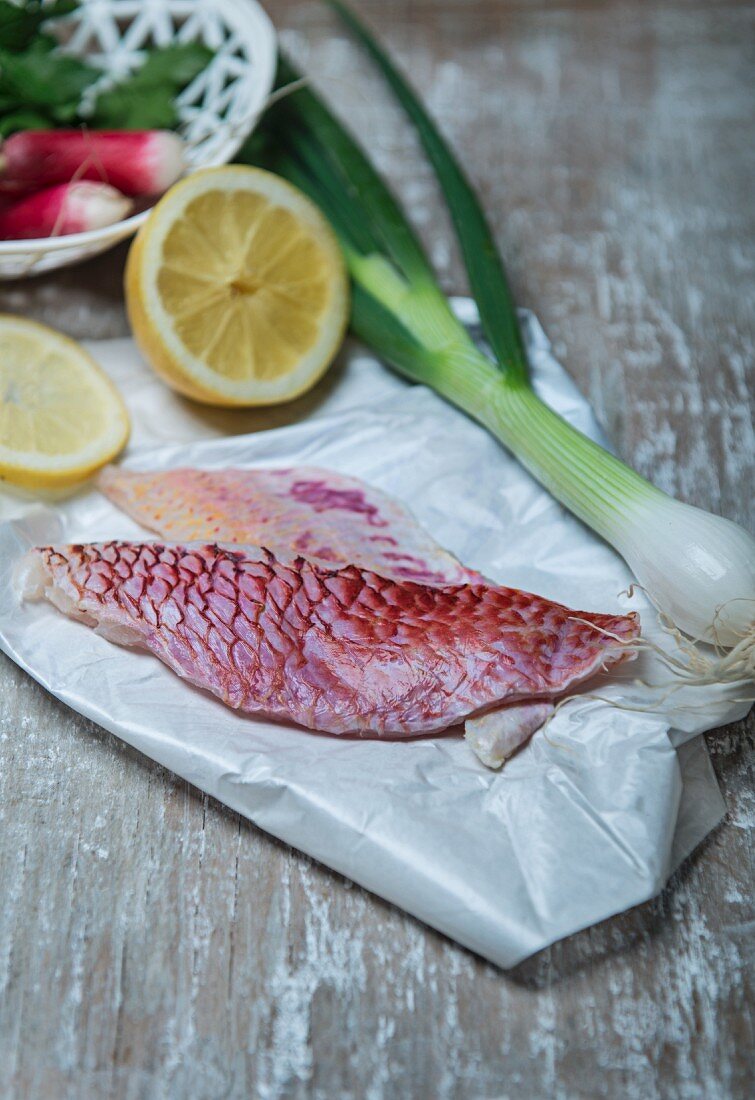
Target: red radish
<point>66,208</point>
<point>137,162</point>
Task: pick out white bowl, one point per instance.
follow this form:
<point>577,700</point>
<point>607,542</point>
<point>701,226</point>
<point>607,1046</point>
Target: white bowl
<point>217,111</point>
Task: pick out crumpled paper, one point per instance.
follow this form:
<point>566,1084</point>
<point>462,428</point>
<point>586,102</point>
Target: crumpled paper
<point>586,821</point>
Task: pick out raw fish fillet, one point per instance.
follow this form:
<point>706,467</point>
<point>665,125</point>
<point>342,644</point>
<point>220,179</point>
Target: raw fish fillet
<point>494,736</point>
<point>316,513</point>
<point>339,649</point>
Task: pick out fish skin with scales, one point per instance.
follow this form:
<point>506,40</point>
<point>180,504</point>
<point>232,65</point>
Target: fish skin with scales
<point>334,648</point>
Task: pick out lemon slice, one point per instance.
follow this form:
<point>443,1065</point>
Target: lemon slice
<point>236,288</point>
<point>61,417</point>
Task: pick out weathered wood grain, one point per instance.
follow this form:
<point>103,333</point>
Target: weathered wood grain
<point>152,944</point>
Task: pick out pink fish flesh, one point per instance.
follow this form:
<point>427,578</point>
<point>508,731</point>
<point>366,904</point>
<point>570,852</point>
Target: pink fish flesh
<point>343,650</point>
<point>316,513</point>
<point>498,733</point>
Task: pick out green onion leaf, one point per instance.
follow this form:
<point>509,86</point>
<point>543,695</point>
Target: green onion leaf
<point>338,146</point>
<point>487,278</point>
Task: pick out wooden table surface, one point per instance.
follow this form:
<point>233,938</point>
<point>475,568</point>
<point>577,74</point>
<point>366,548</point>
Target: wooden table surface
<point>152,943</point>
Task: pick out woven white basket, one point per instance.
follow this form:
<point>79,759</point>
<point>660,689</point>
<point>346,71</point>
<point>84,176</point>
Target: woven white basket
<point>217,110</point>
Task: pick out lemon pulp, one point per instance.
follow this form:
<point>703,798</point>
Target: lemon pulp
<point>236,288</point>
<point>61,418</point>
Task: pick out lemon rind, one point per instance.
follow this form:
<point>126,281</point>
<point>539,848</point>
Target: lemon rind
<point>152,325</point>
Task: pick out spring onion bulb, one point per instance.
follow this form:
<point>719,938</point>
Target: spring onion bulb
<point>698,568</point>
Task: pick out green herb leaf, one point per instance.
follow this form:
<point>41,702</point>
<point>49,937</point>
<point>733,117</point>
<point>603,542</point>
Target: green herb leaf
<point>145,100</point>
<point>17,27</point>
<point>58,9</point>
<point>19,23</point>
<point>42,44</point>
<point>122,109</point>
<point>173,66</point>
<point>41,79</point>
<point>22,120</point>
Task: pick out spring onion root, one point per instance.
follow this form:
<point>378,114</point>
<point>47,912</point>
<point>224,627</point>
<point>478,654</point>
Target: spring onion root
<point>690,666</point>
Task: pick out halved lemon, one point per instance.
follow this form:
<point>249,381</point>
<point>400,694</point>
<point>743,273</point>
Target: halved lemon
<point>61,417</point>
<point>236,288</point>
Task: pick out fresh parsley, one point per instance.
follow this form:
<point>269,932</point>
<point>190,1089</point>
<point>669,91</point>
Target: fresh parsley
<point>146,99</point>
<point>20,22</point>
<point>42,88</point>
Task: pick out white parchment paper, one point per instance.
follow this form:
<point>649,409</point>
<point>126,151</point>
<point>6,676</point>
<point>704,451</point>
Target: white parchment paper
<point>581,824</point>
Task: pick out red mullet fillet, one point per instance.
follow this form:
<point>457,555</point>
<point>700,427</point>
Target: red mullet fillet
<point>339,649</point>
<point>313,512</point>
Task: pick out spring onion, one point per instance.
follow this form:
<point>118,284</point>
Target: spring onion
<point>698,568</point>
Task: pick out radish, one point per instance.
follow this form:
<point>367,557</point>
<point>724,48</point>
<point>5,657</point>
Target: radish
<point>66,208</point>
<point>138,162</point>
